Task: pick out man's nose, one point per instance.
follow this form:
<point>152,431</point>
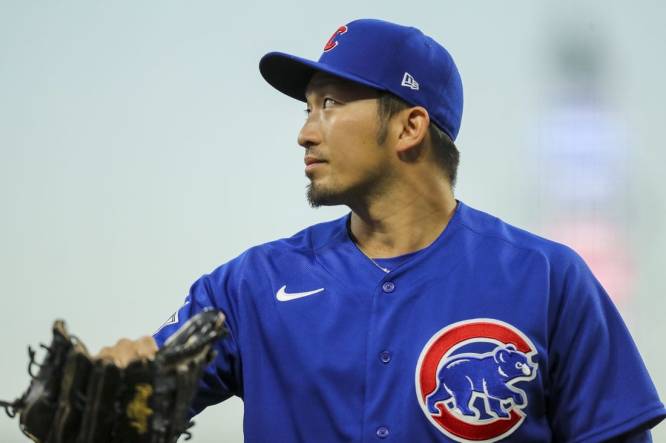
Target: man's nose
<point>309,135</point>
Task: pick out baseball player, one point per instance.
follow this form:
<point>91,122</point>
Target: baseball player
<point>414,318</point>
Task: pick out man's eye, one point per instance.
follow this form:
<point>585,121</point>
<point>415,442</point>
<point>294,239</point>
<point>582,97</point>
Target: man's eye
<point>328,102</point>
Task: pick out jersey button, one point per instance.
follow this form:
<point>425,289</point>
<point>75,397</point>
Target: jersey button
<point>385,356</point>
<point>382,432</point>
<point>388,286</point>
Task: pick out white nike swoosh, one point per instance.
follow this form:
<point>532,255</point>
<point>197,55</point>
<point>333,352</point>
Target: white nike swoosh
<point>282,294</point>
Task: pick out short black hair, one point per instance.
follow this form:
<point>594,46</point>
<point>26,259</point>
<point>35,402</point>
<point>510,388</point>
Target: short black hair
<point>446,152</point>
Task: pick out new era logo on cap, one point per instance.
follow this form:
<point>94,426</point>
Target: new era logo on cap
<point>409,81</point>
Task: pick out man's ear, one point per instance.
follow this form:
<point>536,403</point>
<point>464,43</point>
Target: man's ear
<point>413,128</point>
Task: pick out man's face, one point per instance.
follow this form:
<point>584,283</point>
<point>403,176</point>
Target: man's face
<point>343,159</point>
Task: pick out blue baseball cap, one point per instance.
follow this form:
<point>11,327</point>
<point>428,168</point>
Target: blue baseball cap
<point>385,56</point>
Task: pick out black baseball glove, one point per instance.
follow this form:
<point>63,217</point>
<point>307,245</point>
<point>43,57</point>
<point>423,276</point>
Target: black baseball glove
<point>75,398</point>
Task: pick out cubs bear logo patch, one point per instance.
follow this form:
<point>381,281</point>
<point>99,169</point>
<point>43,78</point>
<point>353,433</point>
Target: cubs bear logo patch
<point>467,377</point>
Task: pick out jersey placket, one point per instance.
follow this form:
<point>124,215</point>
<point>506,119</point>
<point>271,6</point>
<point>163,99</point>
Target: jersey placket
<point>382,363</point>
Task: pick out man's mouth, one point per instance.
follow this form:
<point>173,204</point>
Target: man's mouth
<point>312,163</point>
<point>309,160</point>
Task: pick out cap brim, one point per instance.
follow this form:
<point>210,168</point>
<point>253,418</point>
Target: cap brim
<point>290,74</point>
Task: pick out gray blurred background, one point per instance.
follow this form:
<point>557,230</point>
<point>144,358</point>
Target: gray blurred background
<point>140,148</point>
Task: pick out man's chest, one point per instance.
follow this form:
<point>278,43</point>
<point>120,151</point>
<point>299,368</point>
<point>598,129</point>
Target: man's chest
<point>447,353</point>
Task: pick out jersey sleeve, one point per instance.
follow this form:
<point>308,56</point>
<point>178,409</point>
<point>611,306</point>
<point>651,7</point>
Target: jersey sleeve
<point>643,436</point>
<point>599,386</point>
<point>222,378</point>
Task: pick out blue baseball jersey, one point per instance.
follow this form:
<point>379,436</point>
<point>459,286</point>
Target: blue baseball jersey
<point>489,334</point>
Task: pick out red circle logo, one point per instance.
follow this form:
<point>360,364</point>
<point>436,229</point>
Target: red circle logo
<point>466,376</point>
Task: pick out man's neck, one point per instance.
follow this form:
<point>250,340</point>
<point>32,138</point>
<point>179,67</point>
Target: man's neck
<point>399,223</point>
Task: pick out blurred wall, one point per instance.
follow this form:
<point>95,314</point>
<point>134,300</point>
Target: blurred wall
<point>140,148</point>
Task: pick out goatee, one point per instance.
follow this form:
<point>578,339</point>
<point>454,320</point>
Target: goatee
<point>321,197</point>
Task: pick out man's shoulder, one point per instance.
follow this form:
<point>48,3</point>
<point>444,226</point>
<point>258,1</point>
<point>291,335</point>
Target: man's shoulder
<point>307,240</point>
<point>298,248</point>
<point>494,230</point>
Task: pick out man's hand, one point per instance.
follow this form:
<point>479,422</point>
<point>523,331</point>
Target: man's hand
<point>129,393</point>
<point>126,351</point>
